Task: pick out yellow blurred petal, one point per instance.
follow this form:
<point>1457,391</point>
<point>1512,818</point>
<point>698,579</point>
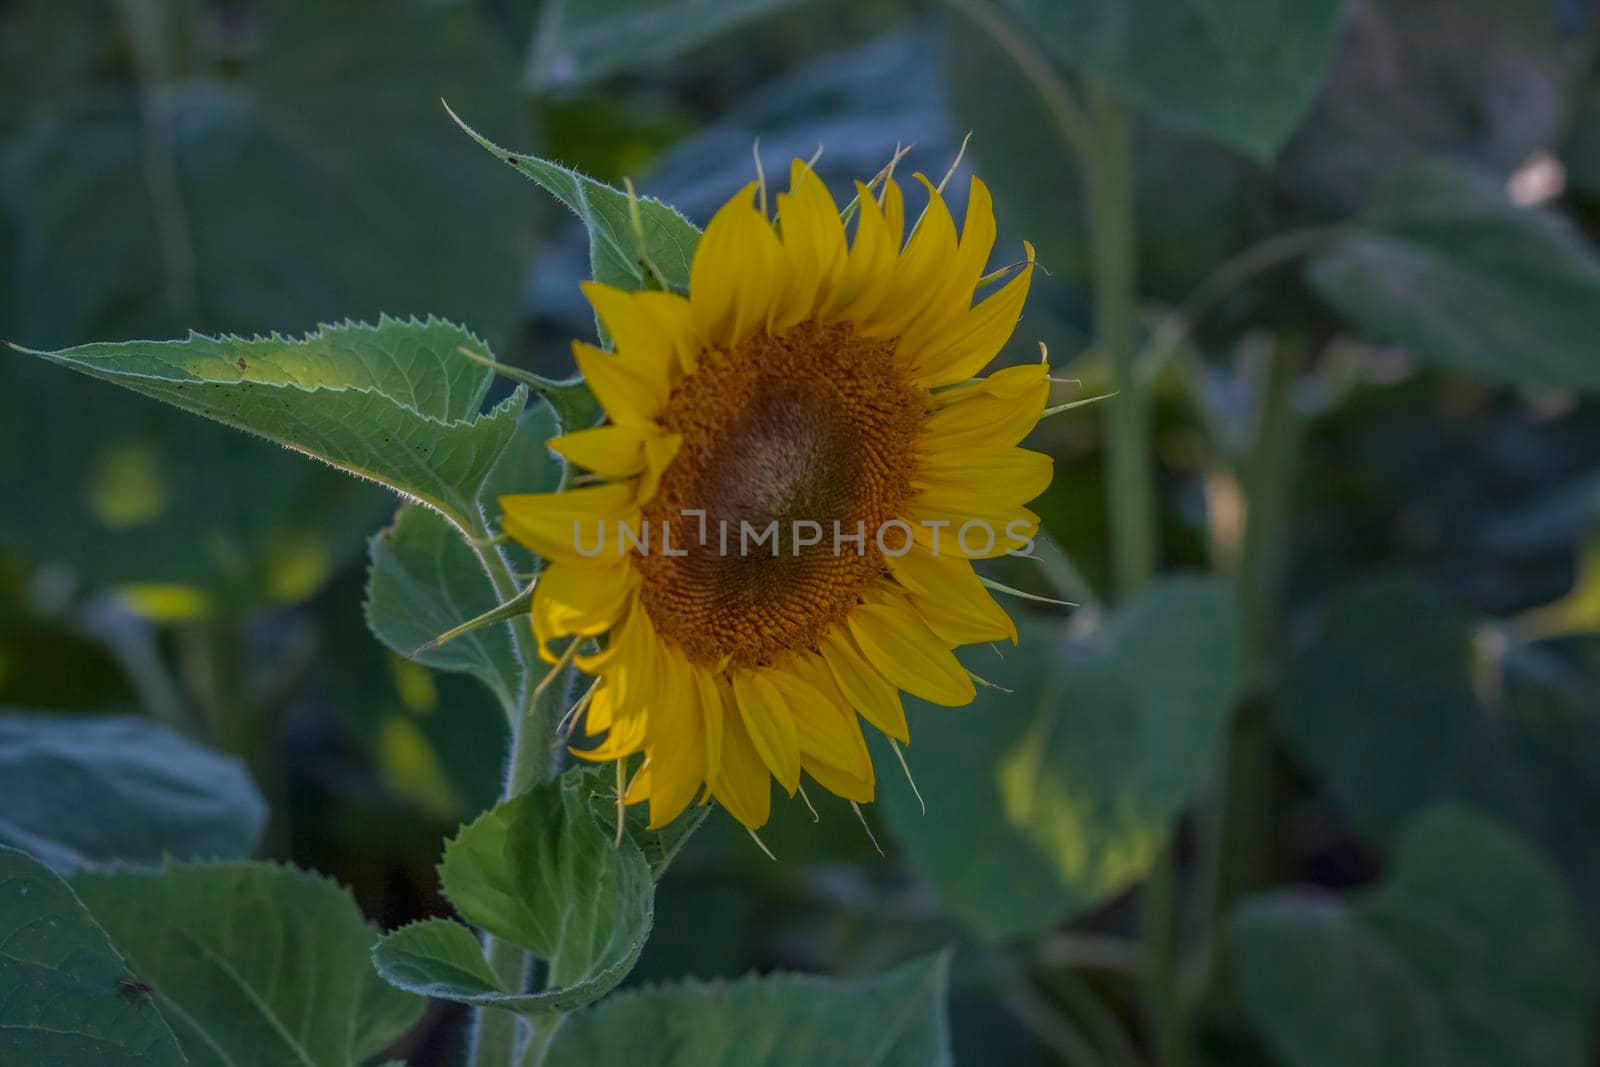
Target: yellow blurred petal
<point>1011,475</point>
<point>951,599</point>
<point>743,784</point>
<point>864,685</point>
<point>737,274</point>
<point>708,697</point>
<point>841,783</point>
<point>1013,525</point>
<point>1006,383</point>
<point>631,399</point>
<point>827,729</point>
<point>565,526</point>
<point>985,420</point>
<point>771,727</point>
<point>898,643</point>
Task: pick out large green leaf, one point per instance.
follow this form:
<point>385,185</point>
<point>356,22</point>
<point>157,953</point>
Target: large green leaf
<point>1467,956</point>
<point>78,789</point>
<point>1242,71</point>
<point>579,42</point>
<point>252,963</point>
<point>424,581</point>
<point>1394,717</point>
<point>398,402</point>
<point>1072,782</point>
<point>63,997</point>
<point>617,252</point>
<point>539,872</point>
<point>1448,268</point>
<point>894,1020</point>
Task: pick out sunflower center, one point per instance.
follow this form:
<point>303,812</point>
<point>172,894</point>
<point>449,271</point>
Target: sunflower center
<point>792,446</point>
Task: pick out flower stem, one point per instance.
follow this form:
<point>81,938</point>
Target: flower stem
<point>1108,182</point>
<point>532,761</point>
<point>1240,834</point>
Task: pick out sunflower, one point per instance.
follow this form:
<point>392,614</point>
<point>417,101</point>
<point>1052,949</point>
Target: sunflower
<point>815,397</point>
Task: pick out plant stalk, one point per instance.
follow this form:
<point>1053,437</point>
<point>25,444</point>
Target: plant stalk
<point>1108,184</point>
<point>1239,838</point>
<point>495,1036</point>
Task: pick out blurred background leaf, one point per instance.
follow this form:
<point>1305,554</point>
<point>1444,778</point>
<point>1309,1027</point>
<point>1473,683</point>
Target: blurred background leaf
<point>80,789</point>
<point>1044,801</point>
<point>1467,954</point>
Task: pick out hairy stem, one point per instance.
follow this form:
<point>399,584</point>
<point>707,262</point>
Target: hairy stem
<point>532,761</point>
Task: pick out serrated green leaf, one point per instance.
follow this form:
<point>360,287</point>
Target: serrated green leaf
<point>1468,956</point>
<point>62,999</point>
<point>577,43</point>
<point>1241,71</point>
<point>1450,269</point>
<point>894,1020</point>
<point>397,402</point>
<point>660,847</point>
<point>253,963</point>
<point>425,580</point>
<point>616,255</point>
<point>1073,780</point>
<point>78,790</point>
<point>537,871</point>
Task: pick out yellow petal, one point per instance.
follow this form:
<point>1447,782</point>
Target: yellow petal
<point>737,274</point>
<point>841,783</point>
<point>898,643</point>
<point>973,340</point>
<point>1006,383</point>
<point>983,420</point>
<point>568,526</point>
<point>708,698</point>
<point>1014,526</point>
<point>917,283</point>
<point>658,452</point>
<point>864,685</point>
<point>631,399</point>
<point>951,599</point>
<point>825,727</point>
<point>813,244</point>
<point>770,724</point>
<point>1011,475</point>
<point>961,275</point>
<point>610,451</point>
<point>582,601</point>
<point>637,337</point>
<point>677,749</point>
<point>857,290</point>
<point>743,784</point>
<point>675,318</point>
<point>624,737</point>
